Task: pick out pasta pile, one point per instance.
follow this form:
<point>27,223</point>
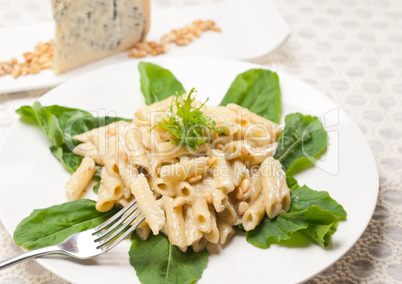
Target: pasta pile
<point>192,196</point>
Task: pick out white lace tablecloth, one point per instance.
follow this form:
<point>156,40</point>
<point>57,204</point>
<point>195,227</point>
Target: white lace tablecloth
<point>350,50</point>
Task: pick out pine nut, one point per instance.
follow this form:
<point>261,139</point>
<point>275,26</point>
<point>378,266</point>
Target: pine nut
<point>211,161</point>
<point>243,207</point>
<point>7,68</point>
<point>14,61</point>
<point>215,29</point>
<point>137,53</point>
<point>245,185</point>
<point>182,42</point>
<point>197,32</point>
<point>209,197</point>
<point>244,150</point>
<point>179,202</point>
<point>2,72</point>
<point>46,65</point>
<point>195,179</point>
<point>165,47</point>
<point>34,69</point>
<point>239,193</point>
<point>24,70</point>
<point>16,72</point>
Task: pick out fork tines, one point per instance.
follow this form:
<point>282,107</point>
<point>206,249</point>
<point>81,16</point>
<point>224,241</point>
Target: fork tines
<point>119,226</point>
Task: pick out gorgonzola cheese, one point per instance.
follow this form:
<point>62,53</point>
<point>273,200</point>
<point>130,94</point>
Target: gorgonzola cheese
<point>88,30</point>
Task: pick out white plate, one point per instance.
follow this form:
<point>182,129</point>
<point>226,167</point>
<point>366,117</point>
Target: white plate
<point>32,178</point>
<point>249,31</point>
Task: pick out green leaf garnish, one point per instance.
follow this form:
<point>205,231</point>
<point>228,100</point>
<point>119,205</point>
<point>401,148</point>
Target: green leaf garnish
<point>60,124</point>
<point>257,90</point>
<point>313,213</point>
<point>52,225</point>
<point>158,261</point>
<point>303,140</point>
<point>187,124</point>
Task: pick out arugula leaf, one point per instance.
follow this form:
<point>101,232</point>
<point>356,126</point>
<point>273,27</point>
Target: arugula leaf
<point>304,197</point>
<point>157,83</point>
<point>96,187</point>
<point>292,183</point>
<point>303,140</point>
<point>157,261</point>
<point>311,212</point>
<point>259,91</point>
<point>60,124</point>
<point>315,222</point>
<point>50,226</point>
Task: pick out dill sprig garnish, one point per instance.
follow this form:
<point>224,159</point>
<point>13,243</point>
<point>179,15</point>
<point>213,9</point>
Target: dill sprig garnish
<point>187,124</point>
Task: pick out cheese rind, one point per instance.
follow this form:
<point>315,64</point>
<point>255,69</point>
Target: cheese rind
<point>88,30</point>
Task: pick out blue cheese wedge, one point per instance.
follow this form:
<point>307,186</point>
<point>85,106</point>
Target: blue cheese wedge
<point>88,30</point>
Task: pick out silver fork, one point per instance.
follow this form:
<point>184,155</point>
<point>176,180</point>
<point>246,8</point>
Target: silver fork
<point>91,242</point>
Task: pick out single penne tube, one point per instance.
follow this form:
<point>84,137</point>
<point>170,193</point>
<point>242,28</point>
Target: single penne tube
<point>146,112</point>
<point>130,138</point>
<point>111,166</point>
<point>276,191</point>
<point>143,231</point>
<point>219,199</point>
<point>154,215</point>
<point>200,245</point>
<point>185,190</point>
<point>88,149</point>
<point>90,135</point>
<point>192,233</point>
<point>124,201</point>
<point>80,178</point>
<point>239,170</point>
<point>255,186</point>
<point>213,235</point>
<point>229,213</point>
<point>225,229</point>
<point>113,184</point>
<point>181,171</point>
<point>101,141</point>
<point>175,223</point>
<point>163,187</point>
<point>222,173</point>
<point>201,214</point>
<point>105,200</point>
<point>254,214</point>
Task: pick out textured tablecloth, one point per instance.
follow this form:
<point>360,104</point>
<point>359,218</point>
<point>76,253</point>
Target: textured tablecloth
<point>350,50</point>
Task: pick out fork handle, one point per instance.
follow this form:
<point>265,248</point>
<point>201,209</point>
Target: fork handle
<point>28,255</point>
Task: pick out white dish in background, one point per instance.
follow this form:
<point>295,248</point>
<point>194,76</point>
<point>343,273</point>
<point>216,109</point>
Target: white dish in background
<point>32,178</point>
<point>249,31</point>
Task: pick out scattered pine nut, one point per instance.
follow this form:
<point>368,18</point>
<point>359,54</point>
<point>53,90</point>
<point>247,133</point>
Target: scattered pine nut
<point>178,202</point>
<point>180,37</point>
<point>16,72</point>
<point>211,161</point>
<point>245,185</point>
<point>244,150</point>
<point>41,58</point>
<point>209,197</point>
<point>195,179</point>
<point>243,207</point>
<point>2,72</point>
<point>239,193</point>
